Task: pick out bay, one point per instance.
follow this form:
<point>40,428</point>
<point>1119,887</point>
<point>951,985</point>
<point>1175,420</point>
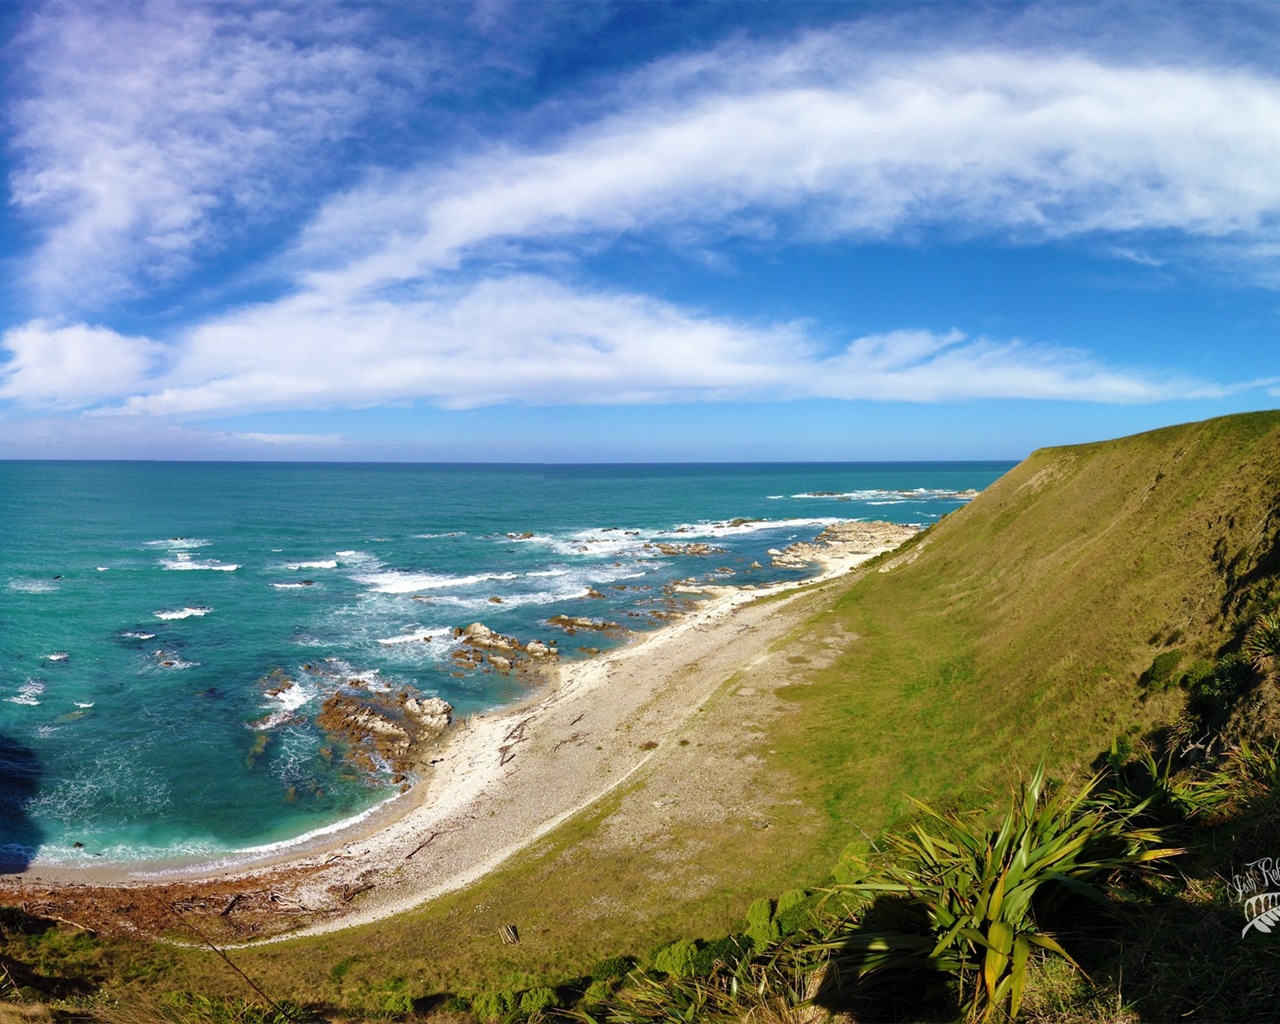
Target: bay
<point>147,608</point>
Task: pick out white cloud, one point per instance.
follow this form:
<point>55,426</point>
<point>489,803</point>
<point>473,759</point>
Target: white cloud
<point>146,134</point>
<point>925,367</point>
<point>533,341</point>
<point>1023,144</point>
<point>148,124</point>
<point>283,440</point>
<point>73,366</point>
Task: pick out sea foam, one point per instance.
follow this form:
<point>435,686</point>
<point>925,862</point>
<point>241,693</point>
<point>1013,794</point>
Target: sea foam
<point>183,613</point>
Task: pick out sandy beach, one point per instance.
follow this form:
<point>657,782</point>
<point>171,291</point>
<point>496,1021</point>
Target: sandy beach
<point>497,783</point>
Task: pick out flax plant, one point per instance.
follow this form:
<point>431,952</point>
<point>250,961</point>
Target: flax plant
<point>1262,642</point>
<point>976,903</point>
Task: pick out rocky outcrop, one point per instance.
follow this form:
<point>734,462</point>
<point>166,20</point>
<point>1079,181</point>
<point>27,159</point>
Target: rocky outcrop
<point>572,623</point>
<point>693,548</point>
<point>481,646</point>
<point>385,729</point>
<point>843,538</point>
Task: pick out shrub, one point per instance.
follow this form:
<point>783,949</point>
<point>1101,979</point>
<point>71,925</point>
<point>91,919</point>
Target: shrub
<point>1217,692</point>
<point>1262,642</point>
<point>795,911</point>
<point>597,992</point>
<point>494,1005</point>
<point>1160,676</point>
<point>612,968</point>
<point>538,999</point>
<point>677,959</point>
<point>724,952</point>
<point>762,929</point>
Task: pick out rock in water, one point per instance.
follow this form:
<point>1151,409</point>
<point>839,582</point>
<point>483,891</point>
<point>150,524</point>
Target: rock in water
<point>385,729</point>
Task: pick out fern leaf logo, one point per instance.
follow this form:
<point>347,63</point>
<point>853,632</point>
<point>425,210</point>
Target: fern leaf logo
<point>1262,912</point>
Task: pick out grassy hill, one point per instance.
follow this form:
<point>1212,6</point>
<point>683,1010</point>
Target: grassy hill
<point>1013,632</point>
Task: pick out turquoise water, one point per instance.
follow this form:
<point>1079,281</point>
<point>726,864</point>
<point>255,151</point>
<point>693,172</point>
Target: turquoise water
<point>145,606</point>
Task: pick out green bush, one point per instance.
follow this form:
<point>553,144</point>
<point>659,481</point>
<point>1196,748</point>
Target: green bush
<point>1159,676</point>
<point>494,1005</point>
<point>677,959</point>
<point>597,992</point>
<point>795,911</point>
<point>725,952</point>
<point>538,999</point>
<point>974,902</point>
<point>762,929</point>
<point>612,968</point>
<point>1262,643</point>
<point>1217,692</point>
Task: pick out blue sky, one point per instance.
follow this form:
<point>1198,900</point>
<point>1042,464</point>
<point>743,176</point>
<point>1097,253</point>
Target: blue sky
<point>652,231</point>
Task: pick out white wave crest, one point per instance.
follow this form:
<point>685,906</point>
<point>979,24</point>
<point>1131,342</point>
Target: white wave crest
<point>185,561</point>
<point>398,582</point>
<point>33,586</point>
<point>329,563</point>
<point>28,693</point>
<point>417,636</point>
<point>183,613</point>
<point>874,495</point>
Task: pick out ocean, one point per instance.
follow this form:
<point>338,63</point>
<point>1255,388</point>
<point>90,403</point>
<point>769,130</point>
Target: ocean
<point>148,612</point>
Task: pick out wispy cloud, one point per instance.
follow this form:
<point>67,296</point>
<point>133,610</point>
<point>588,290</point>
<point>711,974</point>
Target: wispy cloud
<point>533,341</point>
<point>147,135</point>
<point>807,145</point>
<point>153,133</point>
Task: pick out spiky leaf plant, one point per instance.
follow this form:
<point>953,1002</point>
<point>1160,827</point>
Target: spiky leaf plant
<point>975,903</point>
<point>1262,642</point>
<point>772,988</point>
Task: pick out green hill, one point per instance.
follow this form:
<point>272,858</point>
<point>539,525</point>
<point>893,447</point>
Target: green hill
<point>1016,629</point>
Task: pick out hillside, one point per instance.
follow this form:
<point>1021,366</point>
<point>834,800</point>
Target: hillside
<point>1011,633</point>
<point>1015,630</point>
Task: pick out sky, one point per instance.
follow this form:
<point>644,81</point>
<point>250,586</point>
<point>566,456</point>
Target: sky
<point>509,231</point>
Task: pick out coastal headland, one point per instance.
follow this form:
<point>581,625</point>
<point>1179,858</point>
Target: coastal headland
<point>495,783</point>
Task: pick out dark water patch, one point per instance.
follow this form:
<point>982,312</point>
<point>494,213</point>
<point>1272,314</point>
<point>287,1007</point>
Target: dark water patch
<point>20,774</point>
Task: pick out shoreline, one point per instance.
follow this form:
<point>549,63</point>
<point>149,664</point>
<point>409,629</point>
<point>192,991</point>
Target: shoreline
<point>500,780</point>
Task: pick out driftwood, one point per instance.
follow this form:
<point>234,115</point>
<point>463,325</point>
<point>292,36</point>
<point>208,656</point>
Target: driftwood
<point>576,737</point>
<point>287,902</point>
<point>510,937</point>
<point>422,845</point>
<point>74,924</point>
<point>231,903</point>
<point>350,892</point>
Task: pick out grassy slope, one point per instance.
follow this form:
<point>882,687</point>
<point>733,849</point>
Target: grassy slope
<point>1015,635</point>
<point>1018,632</point>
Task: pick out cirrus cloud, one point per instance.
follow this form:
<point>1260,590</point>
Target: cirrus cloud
<point>1020,145</point>
<point>148,134</point>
